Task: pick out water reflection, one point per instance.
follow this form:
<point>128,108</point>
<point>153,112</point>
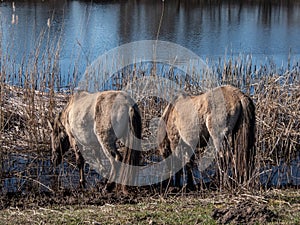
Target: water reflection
<point>87,29</point>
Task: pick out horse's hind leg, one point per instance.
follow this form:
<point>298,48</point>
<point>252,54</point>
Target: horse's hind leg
<point>216,136</point>
<point>108,144</point>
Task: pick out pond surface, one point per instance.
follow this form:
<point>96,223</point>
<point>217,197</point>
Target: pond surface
<point>80,31</point>
<point>26,171</point>
<point>75,33</point>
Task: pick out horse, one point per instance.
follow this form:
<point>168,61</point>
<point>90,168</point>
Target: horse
<point>91,124</point>
<point>223,116</point>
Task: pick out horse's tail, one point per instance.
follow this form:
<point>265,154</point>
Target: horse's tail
<point>162,137</point>
<point>133,146</point>
<point>245,140</point>
<point>135,134</point>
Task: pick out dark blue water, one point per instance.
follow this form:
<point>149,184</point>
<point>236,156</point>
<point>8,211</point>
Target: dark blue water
<point>66,36</point>
<point>28,173</point>
<point>69,35</point>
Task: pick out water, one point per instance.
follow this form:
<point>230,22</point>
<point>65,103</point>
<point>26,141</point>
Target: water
<point>80,31</point>
<point>29,172</point>
<point>86,29</point>
<point>26,172</point>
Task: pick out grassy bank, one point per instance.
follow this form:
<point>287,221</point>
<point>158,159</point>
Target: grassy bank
<point>271,207</point>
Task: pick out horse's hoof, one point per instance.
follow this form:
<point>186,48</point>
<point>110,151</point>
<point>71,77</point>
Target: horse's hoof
<point>82,185</point>
<point>104,191</point>
<point>109,187</point>
<point>191,188</point>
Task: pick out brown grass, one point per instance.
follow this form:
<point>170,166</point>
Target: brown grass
<point>24,110</point>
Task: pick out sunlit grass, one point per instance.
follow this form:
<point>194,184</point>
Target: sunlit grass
<point>285,206</point>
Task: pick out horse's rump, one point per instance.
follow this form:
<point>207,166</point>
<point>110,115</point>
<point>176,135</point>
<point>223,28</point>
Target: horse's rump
<point>213,117</point>
<point>94,122</point>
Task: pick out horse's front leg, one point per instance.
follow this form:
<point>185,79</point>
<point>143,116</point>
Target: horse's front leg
<point>187,165</point>
<point>80,165</point>
<point>79,161</point>
<point>190,175</point>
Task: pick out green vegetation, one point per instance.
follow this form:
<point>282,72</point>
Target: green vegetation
<point>277,207</point>
<point>154,212</point>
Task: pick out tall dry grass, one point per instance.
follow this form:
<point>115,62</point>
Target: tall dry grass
<point>25,110</point>
<point>29,96</point>
<point>275,92</point>
<point>27,100</point>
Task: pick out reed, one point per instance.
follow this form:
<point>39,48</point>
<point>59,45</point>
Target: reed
<point>30,94</point>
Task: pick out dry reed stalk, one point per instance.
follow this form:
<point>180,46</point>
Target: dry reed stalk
<point>278,118</point>
<point>23,116</point>
<point>24,111</point>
